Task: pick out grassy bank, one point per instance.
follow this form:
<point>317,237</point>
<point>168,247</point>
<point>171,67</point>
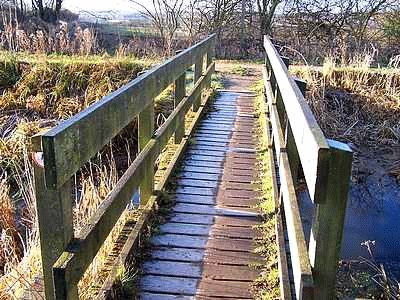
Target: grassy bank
<point>266,286</point>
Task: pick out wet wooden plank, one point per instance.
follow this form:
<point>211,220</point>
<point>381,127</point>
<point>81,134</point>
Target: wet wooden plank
<point>172,268</point>
<point>212,210</point>
<point>202,242</point>
<point>223,289</point>
<point>199,176</point>
<point>168,285</point>
<point>187,168</point>
<point>232,273</point>
<point>155,296</point>
<point>233,258</point>
<point>177,254</point>
<point>208,230</point>
<point>188,218</point>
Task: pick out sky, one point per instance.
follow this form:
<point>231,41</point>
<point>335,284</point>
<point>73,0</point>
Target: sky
<point>101,5</point>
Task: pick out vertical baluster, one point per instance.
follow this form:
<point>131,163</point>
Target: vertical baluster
<point>198,69</point>
<point>180,93</point>
<point>145,132</point>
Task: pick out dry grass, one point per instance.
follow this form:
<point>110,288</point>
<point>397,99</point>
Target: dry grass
<point>21,268</point>
<point>39,93</point>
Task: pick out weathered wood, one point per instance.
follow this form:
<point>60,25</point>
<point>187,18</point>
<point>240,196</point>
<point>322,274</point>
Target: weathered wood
<point>303,277</point>
<point>180,92</point>
<point>74,261</point>
<point>311,143</point>
<point>134,237</point>
<point>198,70</point>
<point>71,144</point>
<point>54,210</point>
<point>145,132</point>
<point>291,149</point>
<point>327,228</point>
<point>165,131</point>
<point>279,140</point>
<point>284,278</point>
<point>72,264</point>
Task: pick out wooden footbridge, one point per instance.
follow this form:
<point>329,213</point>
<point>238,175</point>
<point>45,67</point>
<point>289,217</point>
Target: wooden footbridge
<point>205,248</point>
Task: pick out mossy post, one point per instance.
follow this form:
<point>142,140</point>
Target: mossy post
<point>54,210</point>
<point>179,93</point>
<point>145,132</point>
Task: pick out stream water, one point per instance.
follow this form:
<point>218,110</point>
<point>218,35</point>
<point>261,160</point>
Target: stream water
<point>372,214</point>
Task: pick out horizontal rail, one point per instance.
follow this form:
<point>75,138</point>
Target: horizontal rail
<point>71,144</point>
<point>312,146</point>
<point>301,266</point>
<point>300,145</point>
<point>72,264</point>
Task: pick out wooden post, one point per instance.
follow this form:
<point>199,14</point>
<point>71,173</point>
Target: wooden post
<point>54,210</point>
<point>198,70</point>
<point>286,61</point>
<point>180,93</point>
<point>291,149</point>
<point>145,132</point>
<point>327,227</point>
<point>209,59</point>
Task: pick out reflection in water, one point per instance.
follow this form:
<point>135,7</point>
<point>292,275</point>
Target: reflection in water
<point>373,213</point>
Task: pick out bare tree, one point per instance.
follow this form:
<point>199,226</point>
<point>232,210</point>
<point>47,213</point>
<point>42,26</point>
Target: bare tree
<point>49,10</point>
<point>266,12</point>
<point>165,15</point>
<point>191,20</point>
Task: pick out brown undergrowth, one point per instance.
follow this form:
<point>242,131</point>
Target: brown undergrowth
<point>357,105</point>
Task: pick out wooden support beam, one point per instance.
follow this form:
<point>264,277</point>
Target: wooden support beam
<point>302,274</point>
<point>145,132</point>
<point>179,94</point>
<point>198,70</point>
<point>54,210</point>
<point>327,227</point>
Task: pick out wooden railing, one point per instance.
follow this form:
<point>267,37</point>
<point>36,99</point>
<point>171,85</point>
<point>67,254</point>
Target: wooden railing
<point>67,147</point>
<point>298,143</point>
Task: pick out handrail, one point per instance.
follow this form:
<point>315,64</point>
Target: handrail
<point>66,257</point>
<point>312,145</point>
<point>298,144</point>
<point>73,142</point>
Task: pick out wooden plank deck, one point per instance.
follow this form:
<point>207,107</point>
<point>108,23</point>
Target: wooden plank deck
<point>205,249</point>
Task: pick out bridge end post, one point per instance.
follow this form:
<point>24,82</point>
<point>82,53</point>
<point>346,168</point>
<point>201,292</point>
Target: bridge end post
<point>54,213</point>
<point>328,222</point>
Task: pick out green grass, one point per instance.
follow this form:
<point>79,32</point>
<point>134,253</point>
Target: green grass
<point>266,286</point>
